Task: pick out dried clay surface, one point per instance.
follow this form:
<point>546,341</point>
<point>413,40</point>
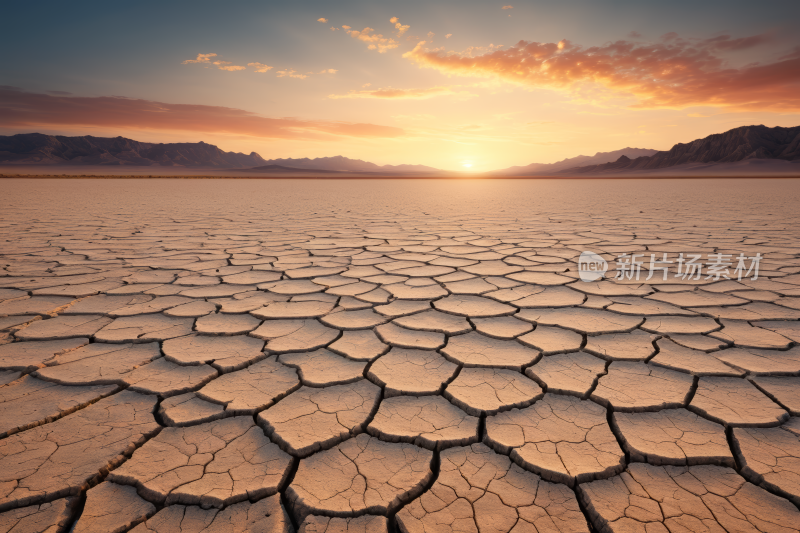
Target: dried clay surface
<point>414,356</point>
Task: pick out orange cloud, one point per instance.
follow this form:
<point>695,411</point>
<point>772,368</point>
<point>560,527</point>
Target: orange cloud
<point>206,59</point>
<point>201,58</point>
<point>448,35</point>
<point>259,67</point>
<point>401,29</point>
<point>322,19</point>
<point>291,73</point>
<point>226,65</point>
<point>404,94</point>
<point>507,7</point>
<point>375,41</point>
<point>675,73</point>
<point>328,71</point>
<point>25,111</point>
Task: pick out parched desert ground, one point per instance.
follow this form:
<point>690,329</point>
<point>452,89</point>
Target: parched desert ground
<point>355,356</point>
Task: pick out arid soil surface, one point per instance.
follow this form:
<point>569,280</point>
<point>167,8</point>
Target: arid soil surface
<point>357,356</point>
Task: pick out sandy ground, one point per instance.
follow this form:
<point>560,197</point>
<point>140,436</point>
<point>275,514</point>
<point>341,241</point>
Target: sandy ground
<point>399,356</point>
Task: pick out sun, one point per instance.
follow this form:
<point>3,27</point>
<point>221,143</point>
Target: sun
<point>466,164</point>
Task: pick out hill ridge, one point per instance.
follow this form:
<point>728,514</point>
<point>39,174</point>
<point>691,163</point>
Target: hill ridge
<point>756,142</point>
<point>41,149</point>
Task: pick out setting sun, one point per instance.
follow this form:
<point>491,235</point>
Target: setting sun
<point>394,88</point>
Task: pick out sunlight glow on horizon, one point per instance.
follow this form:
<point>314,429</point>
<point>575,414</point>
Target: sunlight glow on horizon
<point>421,87</point>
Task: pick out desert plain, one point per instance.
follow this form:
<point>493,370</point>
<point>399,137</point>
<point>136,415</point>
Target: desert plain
<point>417,356</point>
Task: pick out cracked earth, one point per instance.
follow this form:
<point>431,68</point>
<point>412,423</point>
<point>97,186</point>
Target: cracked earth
<point>299,366</point>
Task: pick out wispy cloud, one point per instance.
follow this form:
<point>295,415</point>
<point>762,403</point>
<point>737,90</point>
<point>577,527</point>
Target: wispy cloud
<point>226,65</point>
<point>24,110</point>
<point>201,58</point>
<point>507,7</point>
<point>205,59</point>
<point>793,53</point>
<point>322,19</point>
<point>675,73</point>
<point>448,35</point>
<point>260,67</point>
<point>401,29</point>
<point>375,41</point>
<point>329,71</point>
<point>290,73</point>
<point>405,94</point>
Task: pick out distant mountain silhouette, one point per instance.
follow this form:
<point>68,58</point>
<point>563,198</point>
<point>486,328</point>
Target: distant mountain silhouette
<point>757,150</point>
<point>743,144</point>
<point>545,169</point>
<point>52,150</point>
<point>280,168</point>
<point>39,149</point>
<point>345,164</point>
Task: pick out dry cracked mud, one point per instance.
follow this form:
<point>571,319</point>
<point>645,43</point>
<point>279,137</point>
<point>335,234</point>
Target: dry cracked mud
<point>673,437</point>
<point>480,490</point>
<point>211,464</point>
<point>561,438</point>
<point>63,457</point>
<point>427,421</point>
<point>490,390</point>
<point>311,418</point>
<point>267,514</point>
<point>685,498</point>
<point>202,367</point>
<point>361,475</point>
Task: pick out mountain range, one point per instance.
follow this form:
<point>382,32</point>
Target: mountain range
<point>345,164</point>
<point>757,150</point>
<point>86,151</point>
<point>547,169</point>
<point>39,149</point>
<point>736,146</point>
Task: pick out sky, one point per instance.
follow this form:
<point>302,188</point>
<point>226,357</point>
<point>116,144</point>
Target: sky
<point>457,85</point>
